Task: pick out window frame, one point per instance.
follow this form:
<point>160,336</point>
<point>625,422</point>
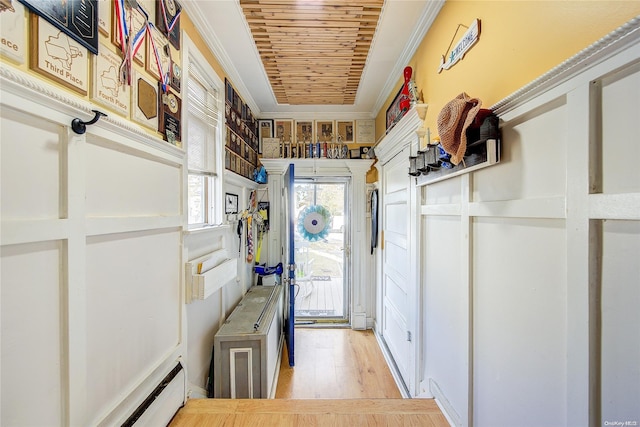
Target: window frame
<point>213,197</point>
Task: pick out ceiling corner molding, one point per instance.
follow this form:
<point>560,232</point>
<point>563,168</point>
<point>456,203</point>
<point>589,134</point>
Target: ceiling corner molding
<point>425,21</point>
<point>611,44</point>
<point>198,17</point>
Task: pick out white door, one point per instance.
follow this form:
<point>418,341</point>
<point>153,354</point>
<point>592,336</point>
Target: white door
<point>398,281</point>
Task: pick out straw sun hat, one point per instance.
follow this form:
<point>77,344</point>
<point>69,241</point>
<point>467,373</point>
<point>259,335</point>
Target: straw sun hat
<point>453,121</point>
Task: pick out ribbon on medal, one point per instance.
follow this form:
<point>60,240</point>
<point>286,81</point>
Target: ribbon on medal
<point>121,17</point>
<point>164,77</point>
<point>170,24</point>
<point>138,39</point>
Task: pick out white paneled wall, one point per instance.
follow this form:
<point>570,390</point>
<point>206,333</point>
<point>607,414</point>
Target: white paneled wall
<point>91,280</point>
<point>530,278</point>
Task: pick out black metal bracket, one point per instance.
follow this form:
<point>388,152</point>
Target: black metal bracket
<point>80,127</point>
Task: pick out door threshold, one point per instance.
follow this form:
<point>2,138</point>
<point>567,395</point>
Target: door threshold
<point>315,323</point>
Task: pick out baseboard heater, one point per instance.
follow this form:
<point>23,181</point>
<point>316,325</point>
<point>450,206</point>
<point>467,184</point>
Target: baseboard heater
<point>248,346</point>
<point>142,408</point>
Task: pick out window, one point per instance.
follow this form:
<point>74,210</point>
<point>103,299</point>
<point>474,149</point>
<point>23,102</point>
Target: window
<point>203,144</point>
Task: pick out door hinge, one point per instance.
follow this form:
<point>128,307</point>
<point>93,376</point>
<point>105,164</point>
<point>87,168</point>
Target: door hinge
<point>409,336</point>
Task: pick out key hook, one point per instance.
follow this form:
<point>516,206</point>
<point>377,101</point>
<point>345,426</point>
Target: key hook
<point>80,127</point>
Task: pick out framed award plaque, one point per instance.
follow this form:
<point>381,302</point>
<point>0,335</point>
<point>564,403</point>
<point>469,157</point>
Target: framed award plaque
<point>169,118</point>
<point>168,20</point>
<point>144,100</point>
<point>175,76</point>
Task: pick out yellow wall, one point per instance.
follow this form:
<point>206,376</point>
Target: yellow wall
<point>187,26</point>
<point>519,41</point>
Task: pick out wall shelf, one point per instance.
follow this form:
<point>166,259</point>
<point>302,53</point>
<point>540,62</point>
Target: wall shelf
<point>214,275</point>
<point>488,155</point>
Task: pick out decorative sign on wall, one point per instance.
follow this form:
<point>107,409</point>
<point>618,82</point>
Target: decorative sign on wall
<point>464,44</point>
<point>107,88</point>
<point>76,18</point>
<point>58,56</point>
<point>12,31</point>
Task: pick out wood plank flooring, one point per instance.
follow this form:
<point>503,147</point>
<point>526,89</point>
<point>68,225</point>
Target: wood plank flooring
<point>310,413</point>
<point>340,379</point>
<point>336,364</point>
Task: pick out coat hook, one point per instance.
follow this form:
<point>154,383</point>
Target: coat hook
<point>80,127</point>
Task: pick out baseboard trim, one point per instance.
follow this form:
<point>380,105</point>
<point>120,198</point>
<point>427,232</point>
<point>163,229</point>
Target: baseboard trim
<point>276,374</point>
<point>445,406</point>
<point>395,372</point>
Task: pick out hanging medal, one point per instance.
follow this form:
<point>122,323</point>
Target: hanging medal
<point>170,12</point>
<point>140,33</point>
<point>164,67</point>
<point>123,33</point>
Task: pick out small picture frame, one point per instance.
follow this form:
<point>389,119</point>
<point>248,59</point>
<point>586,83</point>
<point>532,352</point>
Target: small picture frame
<point>345,131</point>
<point>230,203</point>
<point>304,131</point>
<point>265,130</point>
<point>284,130</point>
<point>324,130</point>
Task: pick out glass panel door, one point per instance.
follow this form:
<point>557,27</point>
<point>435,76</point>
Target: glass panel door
<point>321,236</point>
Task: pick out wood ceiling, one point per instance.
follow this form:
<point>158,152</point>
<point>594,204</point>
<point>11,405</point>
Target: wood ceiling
<point>313,51</point>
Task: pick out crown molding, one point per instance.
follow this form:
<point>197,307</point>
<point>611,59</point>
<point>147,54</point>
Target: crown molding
<point>621,38</point>
<point>402,135</point>
<point>425,21</point>
<point>206,31</point>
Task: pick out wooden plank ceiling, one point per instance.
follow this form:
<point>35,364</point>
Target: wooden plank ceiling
<point>313,51</point>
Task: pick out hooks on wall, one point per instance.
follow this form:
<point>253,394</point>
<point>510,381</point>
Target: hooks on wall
<point>80,127</point>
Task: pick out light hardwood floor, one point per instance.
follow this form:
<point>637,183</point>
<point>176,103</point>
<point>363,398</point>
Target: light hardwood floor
<point>336,364</point>
<point>310,413</point>
<point>340,379</point>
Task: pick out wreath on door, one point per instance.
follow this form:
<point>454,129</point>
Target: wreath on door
<point>314,222</point>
